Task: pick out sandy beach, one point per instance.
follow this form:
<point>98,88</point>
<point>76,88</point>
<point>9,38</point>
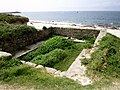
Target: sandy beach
<point>40,24</point>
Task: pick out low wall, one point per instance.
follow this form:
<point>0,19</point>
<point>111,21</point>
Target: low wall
<point>71,32</point>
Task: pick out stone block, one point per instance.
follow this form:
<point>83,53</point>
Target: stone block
<point>31,64</point>
<point>40,67</point>
<point>50,70</point>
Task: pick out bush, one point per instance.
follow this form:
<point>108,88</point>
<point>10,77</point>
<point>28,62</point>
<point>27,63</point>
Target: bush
<point>44,27</point>
<point>15,36</point>
<point>7,63</point>
<point>106,59</point>
<point>8,31</point>
<point>12,19</point>
<point>51,44</point>
<point>51,58</point>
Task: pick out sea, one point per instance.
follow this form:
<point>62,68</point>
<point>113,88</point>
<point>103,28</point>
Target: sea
<point>79,17</point>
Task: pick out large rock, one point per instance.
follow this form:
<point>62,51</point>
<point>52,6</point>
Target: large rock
<point>5,54</point>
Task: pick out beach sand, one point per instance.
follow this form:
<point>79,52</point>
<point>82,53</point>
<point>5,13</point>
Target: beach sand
<point>39,25</point>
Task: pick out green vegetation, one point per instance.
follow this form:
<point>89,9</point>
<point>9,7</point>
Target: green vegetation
<point>72,52</point>
<point>13,19</point>
<point>49,45</point>
<point>56,52</point>
<point>8,31</point>
<point>15,37</point>
<point>38,80</point>
<point>13,73</point>
<point>51,58</point>
<point>6,62</point>
<point>89,39</point>
<point>105,60</point>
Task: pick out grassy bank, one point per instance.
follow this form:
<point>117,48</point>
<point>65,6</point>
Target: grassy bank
<point>105,61</point>
<point>24,76</point>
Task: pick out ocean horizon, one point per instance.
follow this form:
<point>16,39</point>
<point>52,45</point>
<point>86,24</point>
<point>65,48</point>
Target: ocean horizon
<point>107,18</point>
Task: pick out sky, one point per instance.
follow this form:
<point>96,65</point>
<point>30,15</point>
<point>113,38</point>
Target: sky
<point>59,5</point>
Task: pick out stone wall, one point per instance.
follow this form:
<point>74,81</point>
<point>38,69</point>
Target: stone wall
<point>70,32</point>
<point>14,44</point>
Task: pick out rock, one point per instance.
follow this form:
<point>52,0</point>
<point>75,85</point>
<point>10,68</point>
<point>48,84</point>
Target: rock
<point>57,72</point>
<point>79,41</point>
<point>87,56</point>
<point>50,70</point>
<point>114,27</point>
<point>84,81</point>
<point>31,64</point>
<point>64,73</point>
<point>39,67</point>
<point>23,62</point>
<point>5,54</point>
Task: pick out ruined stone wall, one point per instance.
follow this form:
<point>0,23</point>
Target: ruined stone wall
<point>70,32</point>
<point>15,44</point>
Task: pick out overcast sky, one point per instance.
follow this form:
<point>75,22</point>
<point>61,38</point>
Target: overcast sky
<point>59,5</point>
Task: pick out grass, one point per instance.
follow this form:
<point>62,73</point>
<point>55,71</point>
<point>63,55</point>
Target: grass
<point>105,61</point>
<point>72,54</point>
<point>13,73</point>
<point>90,39</point>
<point>32,78</point>
<point>46,54</point>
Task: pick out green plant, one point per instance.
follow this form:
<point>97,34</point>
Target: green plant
<point>49,45</point>
<point>13,19</point>
<point>7,62</point>
<point>44,27</point>
<point>106,59</point>
<point>15,36</point>
<point>90,39</point>
<point>51,58</point>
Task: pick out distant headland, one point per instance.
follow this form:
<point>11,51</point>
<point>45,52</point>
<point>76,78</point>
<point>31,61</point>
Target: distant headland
<point>9,12</point>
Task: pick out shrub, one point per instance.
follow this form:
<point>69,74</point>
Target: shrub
<point>51,58</point>
<point>44,27</point>
<point>106,59</point>
<point>15,36</point>
<point>8,31</point>
<point>7,63</point>
<point>12,19</point>
<point>51,44</point>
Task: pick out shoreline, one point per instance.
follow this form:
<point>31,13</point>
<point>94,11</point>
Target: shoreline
<point>39,25</point>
